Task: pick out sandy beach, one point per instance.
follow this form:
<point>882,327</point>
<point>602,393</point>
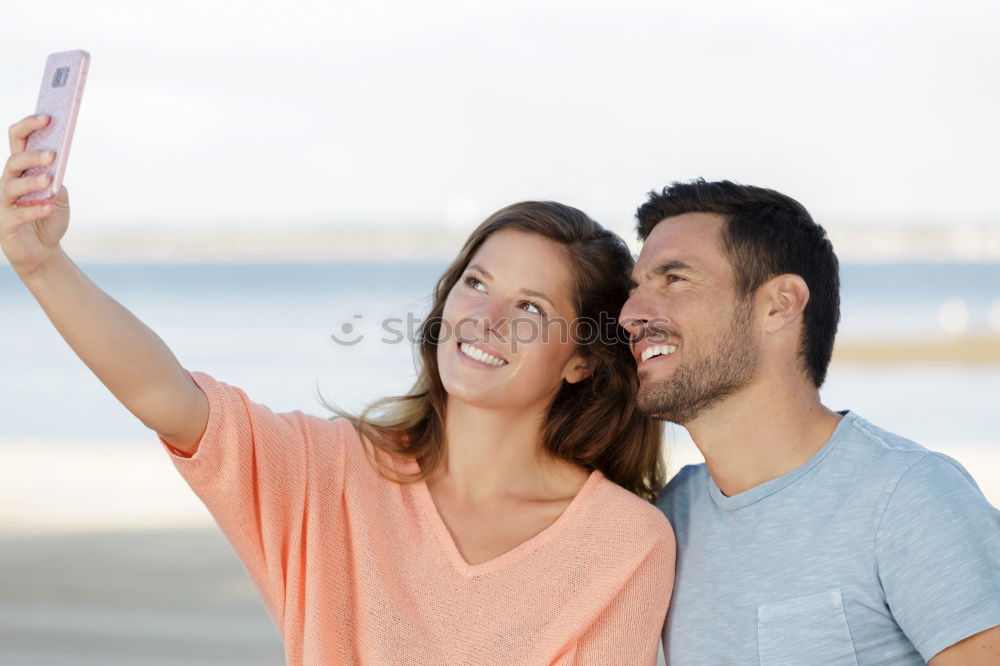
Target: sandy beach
<point>154,597</point>
<point>107,557</point>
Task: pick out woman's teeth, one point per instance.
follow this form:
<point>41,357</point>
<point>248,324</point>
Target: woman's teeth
<point>656,350</point>
<point>480,355</point>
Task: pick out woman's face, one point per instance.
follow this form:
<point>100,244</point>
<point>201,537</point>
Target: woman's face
<point>506,338</point>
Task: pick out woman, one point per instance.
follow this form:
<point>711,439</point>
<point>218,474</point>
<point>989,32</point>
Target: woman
<point>483,518</point>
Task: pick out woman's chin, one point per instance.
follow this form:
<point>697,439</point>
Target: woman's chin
<point>472,397</point>
<point>479,396</point>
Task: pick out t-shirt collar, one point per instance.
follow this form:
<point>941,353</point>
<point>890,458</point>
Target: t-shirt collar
<point>768,488</point>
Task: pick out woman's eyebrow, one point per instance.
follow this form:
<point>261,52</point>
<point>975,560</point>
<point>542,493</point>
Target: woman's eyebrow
<point>528,292</point>
<point>477,267</point>
<point>538,294</point>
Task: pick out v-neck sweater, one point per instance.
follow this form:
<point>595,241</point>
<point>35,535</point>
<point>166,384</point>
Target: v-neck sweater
<point>355,568</point>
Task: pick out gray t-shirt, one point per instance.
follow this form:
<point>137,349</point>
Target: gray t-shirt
<point>875,551</point>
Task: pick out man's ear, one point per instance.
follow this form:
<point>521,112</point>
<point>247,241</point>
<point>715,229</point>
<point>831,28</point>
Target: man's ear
<point>784,298</point>
<point>579,368</point>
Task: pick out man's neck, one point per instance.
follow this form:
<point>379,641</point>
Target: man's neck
<point>765,431</point>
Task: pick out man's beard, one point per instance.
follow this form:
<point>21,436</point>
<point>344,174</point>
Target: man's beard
<point>703,381</point>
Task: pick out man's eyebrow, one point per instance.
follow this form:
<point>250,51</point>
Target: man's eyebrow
<point>671,266</point>
<point>663,269</point>
<point>529,292</point>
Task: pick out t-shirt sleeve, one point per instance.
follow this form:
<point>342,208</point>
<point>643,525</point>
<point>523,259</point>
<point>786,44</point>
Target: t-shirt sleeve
<point>938,555</point>
<point>252,470</point>
<point>628,631</point>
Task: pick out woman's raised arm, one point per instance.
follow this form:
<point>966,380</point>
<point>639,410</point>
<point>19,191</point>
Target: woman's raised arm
<point>125,354</point>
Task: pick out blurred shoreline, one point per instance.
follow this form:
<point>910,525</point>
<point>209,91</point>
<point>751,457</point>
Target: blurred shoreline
<point>77,485</point>
<point>963,350</point>
<point>969,242</point>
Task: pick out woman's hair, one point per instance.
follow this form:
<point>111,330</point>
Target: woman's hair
<point>593,423</point>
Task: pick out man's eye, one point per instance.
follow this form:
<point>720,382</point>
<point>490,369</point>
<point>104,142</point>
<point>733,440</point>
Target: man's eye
<point>671,277</point>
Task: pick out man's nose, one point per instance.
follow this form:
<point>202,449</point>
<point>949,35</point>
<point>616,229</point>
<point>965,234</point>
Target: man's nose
<point>633,316</point>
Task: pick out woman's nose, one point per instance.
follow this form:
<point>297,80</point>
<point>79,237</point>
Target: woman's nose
<point>488,317</point>
<point>495,317</point>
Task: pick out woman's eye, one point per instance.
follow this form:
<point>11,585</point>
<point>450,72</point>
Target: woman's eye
<point>475,283</point>
<point>538,310</point>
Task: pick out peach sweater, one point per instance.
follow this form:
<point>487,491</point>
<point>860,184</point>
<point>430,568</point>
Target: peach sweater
<point>356,569</point>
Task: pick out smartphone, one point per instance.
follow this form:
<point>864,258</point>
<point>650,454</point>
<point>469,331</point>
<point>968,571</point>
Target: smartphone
<point>59,98</point>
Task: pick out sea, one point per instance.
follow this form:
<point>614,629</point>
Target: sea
<point>286,333</point>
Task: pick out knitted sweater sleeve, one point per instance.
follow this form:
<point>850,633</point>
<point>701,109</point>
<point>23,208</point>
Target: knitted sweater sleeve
<point>254,471</point>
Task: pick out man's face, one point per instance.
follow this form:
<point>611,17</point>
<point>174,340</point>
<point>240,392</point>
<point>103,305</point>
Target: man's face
<point>684,317</point>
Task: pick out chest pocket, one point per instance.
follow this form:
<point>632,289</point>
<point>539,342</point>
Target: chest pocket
<point>805,630</point>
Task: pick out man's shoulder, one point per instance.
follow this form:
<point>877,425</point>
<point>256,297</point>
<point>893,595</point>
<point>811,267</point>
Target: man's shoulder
<point>893,460</point>
<point>677,495</point>
<point>863,433</point>
<point>877,451</point>
<point>934,478</point>
<point>685,481</point>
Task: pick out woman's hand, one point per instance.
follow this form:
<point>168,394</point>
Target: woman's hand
<point>29,235</point>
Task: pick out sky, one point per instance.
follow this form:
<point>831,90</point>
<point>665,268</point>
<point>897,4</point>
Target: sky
<point>283,115</point>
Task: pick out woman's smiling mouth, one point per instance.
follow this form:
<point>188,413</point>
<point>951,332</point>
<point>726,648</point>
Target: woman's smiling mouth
<point>479,357</point>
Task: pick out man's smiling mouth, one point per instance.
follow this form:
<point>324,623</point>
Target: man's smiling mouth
<point>656,350</point>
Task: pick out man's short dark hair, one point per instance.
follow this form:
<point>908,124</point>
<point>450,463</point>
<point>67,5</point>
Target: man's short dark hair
<point>766,234</point>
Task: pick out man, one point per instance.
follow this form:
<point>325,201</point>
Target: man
<point>808,536</point>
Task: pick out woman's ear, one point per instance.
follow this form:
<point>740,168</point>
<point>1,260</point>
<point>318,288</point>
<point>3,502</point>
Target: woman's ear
<point>579,368</point>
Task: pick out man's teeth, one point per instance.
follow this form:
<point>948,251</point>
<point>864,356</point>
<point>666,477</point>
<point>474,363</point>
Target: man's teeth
<point>656,350</point>
<point>480,355</point>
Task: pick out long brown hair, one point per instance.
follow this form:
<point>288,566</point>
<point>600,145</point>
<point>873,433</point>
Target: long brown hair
<point>593,423</point>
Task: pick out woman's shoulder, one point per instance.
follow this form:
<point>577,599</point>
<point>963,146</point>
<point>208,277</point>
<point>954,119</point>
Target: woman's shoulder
<point>620,506</point>
<point>339,427</point>
<point>338,432</point>
<point>357,452</point>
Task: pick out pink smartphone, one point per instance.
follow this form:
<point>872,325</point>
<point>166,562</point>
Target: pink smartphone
<point>62,89</point>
